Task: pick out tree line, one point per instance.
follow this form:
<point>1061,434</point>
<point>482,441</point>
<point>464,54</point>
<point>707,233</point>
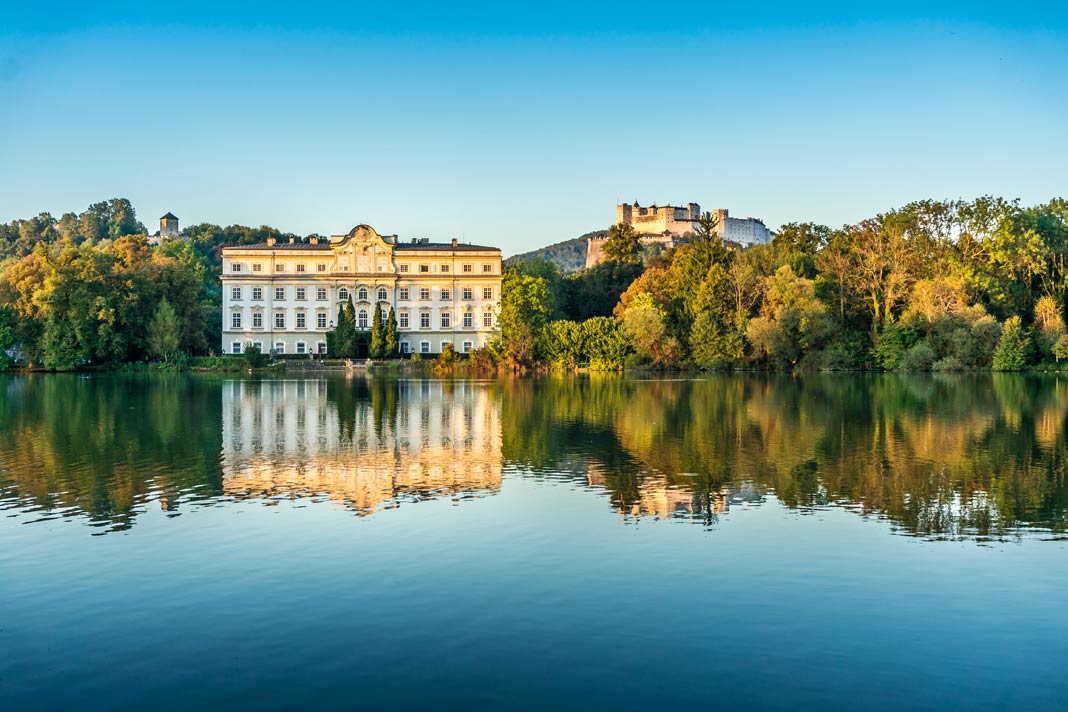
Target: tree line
<point>934,285</point>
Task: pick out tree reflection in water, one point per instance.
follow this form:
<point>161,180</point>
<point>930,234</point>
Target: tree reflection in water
<point>939,456</point>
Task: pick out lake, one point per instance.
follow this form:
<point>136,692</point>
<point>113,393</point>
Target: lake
<point>836,541</point>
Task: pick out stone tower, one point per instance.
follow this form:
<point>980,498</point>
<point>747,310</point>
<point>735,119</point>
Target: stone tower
<point>168,226</point>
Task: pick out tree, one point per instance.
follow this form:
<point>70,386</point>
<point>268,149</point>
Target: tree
<point>378,334</point>
<point>7,338</point>
<point>605,342</point>
<point>623,245</point>
<point>716,340</point>
<point>163,331</point>
<point>562,344</point>
<point>883,269</point>
<point>1012,350</point>
<point>341,342</point>
<point>391,335</point>
<point>1049,324</point>
<point>526,306</point>
<point>792,321</point>
<point>643,323</point>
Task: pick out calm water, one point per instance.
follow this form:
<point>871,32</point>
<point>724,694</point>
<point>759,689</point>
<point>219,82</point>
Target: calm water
<point>833,541</point>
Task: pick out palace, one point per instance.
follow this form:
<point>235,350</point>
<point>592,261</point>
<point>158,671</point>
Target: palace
<point>285,296</point>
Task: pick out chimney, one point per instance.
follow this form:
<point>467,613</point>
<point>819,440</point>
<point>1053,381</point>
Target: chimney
<point>270,241</point>
<point>292,240</point>
<point>455,242</point>
<point>313,240</point>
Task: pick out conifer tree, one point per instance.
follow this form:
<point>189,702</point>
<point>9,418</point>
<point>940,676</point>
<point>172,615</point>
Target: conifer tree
<point>391,335</point>
<point>378,334</point>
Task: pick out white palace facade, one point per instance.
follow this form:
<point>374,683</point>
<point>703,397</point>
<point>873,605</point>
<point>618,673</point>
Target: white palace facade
<point>285,297</point>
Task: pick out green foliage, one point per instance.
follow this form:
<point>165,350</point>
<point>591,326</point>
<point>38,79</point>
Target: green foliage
<point>643,322</point>
<point>526,306</point>
<point>7,338</point>
<point>390,344</point>
<point>341,342</point>
<point>1060,349</point>
<point>1011,353</point>
<point>793,320</point>
<point>562,344</point>
<point>919,357</point>
<point>253,357</point>
<point>623,245</point>
<point>378,334</point>
<point>606,343</point>
<point>163,332</point>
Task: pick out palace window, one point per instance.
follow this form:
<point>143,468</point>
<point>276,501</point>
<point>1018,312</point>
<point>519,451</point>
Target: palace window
<point>402,294</point>
<point>487,292</point>
<point>235,320</point>
<point>469,320</point>
<point>487,319</point>
<point>321,267</point>
<point>382,294</point>
<point>361,320</point>
<point>424,346</point>
<point>444,269</point>
<point>321,347</point>
<point>424,320</point>
<point>343,294</point>
<point>300,267</point>
<point>280,267</point>
<point>301,320</point>
<point>280,320</point>
<point>320,320</point>
<point>343,266</point>
<point>257,320</point>
<point>405,347</point>
<point>446,320</point>
<point>487,268</point>
<point>469,269</point>
<point>235,347</point>
<point>444,345</point>
<point>446,295</point>
<point>403,268</point>
<point>235,293</point>
<point>257,294</point>
<point>235,266</point>
<point>424,293</point>
<point>279,347</point>
<point>468,293</point>
<point>361,294</point>
<point>257,267</point>
<point>302,347</point>
<point>402,320</point>
<point>320,294</point>
<point>467,346</point>
<point>279,293</point>
<point>424,269</point>
<point>301,294</point>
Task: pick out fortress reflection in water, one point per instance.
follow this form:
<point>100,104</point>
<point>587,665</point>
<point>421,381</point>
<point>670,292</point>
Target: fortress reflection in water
<point>364,444</point>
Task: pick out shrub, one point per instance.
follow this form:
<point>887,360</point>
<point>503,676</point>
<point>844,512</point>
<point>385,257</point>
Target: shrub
<point>920,357</point>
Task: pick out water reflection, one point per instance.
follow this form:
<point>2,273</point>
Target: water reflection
<point>365,444</point>
<point>941,457</point>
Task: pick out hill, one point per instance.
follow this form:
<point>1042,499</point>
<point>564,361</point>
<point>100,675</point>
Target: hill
<point>569,255</point>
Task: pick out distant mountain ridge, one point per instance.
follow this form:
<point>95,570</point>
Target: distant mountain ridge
<point>569,255</point>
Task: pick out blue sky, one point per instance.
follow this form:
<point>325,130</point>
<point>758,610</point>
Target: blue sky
<point>524,124</point>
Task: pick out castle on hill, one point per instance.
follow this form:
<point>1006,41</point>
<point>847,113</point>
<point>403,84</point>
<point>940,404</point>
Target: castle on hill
<point>670,225</point>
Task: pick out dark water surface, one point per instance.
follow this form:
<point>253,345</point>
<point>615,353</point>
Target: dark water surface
<point>832,541</point>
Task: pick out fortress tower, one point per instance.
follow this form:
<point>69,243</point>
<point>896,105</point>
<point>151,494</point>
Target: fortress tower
<point>168,226</point>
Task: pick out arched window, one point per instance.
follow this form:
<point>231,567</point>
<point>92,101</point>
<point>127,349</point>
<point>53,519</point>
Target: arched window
<point>362,319</point>
<point>343,294</point>
<point>381,294</point>
<point>361,294</point>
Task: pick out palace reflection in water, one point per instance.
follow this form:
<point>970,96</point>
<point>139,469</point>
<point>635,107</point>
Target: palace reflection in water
<point>938,456</point>
<point>366,444</point>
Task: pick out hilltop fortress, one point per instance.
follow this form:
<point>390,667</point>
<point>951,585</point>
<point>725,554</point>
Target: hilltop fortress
<point>669,225</point>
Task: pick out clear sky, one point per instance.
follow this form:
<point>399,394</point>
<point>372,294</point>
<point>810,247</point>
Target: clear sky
<point>522,124</point>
